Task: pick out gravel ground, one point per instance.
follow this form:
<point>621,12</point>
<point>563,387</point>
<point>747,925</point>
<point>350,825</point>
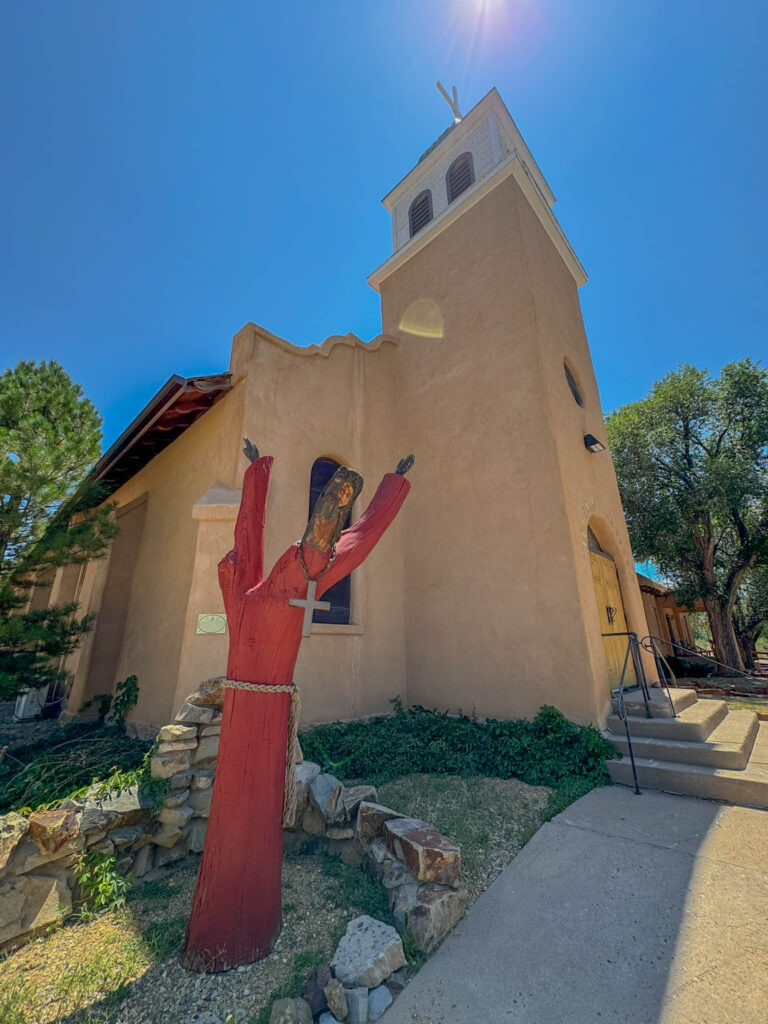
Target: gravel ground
<point>123,967</point>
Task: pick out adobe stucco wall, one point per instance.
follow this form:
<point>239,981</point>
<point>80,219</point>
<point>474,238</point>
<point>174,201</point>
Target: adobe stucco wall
<point>499,615</point>
<point>156,595</point>
<point>480,595</point>
<point>297,405</point>
<point>588,480</point>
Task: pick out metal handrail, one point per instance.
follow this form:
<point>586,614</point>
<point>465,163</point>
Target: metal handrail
<point>660,661</point>
<point>621,711</point>
<point>704,657</point>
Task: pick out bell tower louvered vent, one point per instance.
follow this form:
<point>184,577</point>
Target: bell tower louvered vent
<point>420,213</point>
<point>461,174</point>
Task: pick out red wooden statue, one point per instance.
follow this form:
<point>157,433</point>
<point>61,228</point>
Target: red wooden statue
<point>236,914</point>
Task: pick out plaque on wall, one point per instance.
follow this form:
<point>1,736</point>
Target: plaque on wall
<point>212,622</point>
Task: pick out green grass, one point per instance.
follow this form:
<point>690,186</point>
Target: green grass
<point>15,998</point>
<point>66,764</point>
<point>741,703</point>
<point>490,819</point>
<point>88,968</point>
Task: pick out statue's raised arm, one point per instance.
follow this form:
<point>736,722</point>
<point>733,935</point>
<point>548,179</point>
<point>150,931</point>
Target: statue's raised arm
<point>243,567</point>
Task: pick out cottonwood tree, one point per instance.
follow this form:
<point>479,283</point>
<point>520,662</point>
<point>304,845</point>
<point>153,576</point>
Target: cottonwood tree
<point>692,465</point>
<point>750,612</point>
<point>49,436</point>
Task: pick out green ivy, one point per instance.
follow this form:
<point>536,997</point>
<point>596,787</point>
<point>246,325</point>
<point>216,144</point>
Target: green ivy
<point>547,751</point>
<point>101,885</point>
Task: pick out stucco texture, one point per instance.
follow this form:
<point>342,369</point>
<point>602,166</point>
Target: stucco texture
<point>480,596</point>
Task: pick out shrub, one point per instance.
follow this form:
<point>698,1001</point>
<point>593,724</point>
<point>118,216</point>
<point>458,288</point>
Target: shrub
<point>547,751</point>
<point>66,765</point>
<point>101,886</point>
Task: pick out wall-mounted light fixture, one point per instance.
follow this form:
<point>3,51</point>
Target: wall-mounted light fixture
<point>592,444</point>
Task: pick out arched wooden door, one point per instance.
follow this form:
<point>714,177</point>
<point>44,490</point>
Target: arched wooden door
<point>610,607</point>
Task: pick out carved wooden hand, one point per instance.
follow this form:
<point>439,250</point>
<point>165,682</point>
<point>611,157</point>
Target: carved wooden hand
<point>250,451</point>
<point>404,465</point>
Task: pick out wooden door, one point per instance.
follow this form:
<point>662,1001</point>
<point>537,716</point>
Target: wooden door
<point>612,618</point>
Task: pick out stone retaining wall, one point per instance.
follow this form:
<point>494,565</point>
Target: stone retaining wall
<point>420,869</point>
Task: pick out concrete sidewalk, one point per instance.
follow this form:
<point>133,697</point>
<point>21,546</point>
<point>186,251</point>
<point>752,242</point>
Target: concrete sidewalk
<point>621,910</point>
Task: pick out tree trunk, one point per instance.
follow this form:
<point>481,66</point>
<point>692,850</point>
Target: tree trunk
<point>746,647</point>
<point>724,638</point>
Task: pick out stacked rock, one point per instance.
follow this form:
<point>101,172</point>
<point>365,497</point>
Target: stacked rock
<point>419,868</point>
<point>367,970</point>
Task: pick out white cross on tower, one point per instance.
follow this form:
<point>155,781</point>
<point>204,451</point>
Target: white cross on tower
<point>309,606</point>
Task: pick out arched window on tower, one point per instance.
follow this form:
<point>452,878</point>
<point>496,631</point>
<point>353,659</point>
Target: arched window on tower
<point>461,174</point>
<point>340,593</point>
<point>420,212</point>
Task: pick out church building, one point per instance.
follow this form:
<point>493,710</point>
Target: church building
<point>510,558</point>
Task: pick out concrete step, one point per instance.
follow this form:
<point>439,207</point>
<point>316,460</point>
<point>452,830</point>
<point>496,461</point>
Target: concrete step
<point>728,746</point>
<point>694,723</point>
<point>748,787</point>
<point>659,702</point>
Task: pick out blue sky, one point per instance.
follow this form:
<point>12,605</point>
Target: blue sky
<point>173,169</point>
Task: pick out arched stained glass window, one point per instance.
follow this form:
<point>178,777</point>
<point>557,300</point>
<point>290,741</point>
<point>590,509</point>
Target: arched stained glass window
<point>340,593</point>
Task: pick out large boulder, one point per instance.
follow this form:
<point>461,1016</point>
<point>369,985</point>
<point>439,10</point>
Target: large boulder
<point>325,794</point>
<point>123,837</point>
<point>402,893</point>
<point>314,989</point>
<point>357,1005</point>
<point>305,773</point>
<point>177,733</point>
<point>52,829</point>
<point>167,836</point>
<point>176,815</point>
<point>163,766</point>
<point>13,828</point>
<point>380,860</point>
<point>368,953</point>
<point>371,819</point>
<point>438,909</point>
<point>193,715</point>
<point>428,854</point>
<point>290,1011</point>
<point>379,999</point>
<point>202,778</point>
<point>29,903</point>
<point>127,808</point>
<point>337,1001</point>
<point>354,796</point>
<point>143,861</point>
<point>207,750</point>
<point>209,694</point>
<point>200,802</point>
<point>175,747</point>
<point>196,835</point>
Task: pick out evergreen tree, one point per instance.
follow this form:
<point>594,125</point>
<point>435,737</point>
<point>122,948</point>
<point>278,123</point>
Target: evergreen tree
<point>692,464</point>
<point>49,435</point>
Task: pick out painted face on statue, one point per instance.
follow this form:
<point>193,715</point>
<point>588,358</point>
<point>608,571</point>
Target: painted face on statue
<point>331,512</point>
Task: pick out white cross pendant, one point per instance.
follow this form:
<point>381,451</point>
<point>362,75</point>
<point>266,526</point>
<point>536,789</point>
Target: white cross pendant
<point>309,606</point>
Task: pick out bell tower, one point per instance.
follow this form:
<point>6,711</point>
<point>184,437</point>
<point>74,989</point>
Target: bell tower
<point>496,394</point>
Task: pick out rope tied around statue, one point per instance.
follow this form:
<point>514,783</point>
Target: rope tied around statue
<point>293,750</point>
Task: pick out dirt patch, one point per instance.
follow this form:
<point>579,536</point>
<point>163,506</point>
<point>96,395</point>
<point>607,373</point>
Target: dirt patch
<point>123,967</point>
